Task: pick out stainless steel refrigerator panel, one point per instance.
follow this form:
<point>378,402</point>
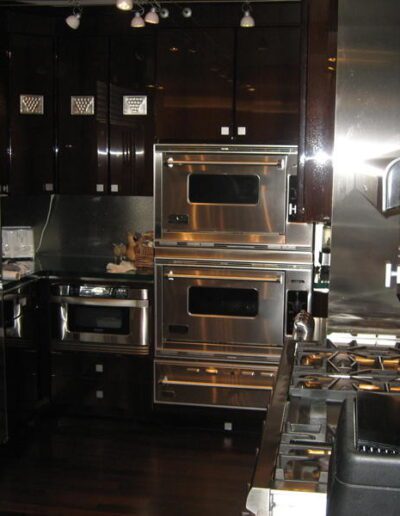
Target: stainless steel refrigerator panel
<point>365,242</point>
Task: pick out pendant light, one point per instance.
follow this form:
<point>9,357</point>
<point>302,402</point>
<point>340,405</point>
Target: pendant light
<point>73,20</point>
<point>152,17</point>
<point>247,20</point>
<point>137,21</point>
<point>124,5</point>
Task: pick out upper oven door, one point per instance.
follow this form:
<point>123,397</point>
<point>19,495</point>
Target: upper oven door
<point>227,307</point>
<point>232,198</point>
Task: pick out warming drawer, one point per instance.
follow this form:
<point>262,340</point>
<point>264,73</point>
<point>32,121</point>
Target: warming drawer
<point>213,384</point>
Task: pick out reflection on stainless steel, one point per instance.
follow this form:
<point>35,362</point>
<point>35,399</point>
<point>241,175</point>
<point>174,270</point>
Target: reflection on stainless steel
<point>213,384</point>
<point>303,326</point>
<point>19,305</point>
<point>366,152</point>
<point>226,196</point>
<point>113,318</point>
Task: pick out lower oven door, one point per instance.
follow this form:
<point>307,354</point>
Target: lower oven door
<point>226,309</point>
<point>213,384</point>
<point>114,325</point>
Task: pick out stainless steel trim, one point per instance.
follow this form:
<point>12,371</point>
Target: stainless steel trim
<point>230,277</point>
<point>170,162</point>
<point>263,474</point>
<point>136,303</point>
<point>165,381</point>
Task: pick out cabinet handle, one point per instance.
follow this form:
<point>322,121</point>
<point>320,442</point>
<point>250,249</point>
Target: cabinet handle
<point>99,188</point>
<point>389,274</point>
<point>225,130</point>
<point>48,187</point>
<point>241,131</point>
<point>114,188</point>
<point>292,209</point>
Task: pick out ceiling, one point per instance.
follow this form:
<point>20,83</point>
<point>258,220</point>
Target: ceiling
<point>63,3</point>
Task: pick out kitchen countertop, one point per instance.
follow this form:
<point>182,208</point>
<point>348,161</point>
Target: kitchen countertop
<point>82,267</point>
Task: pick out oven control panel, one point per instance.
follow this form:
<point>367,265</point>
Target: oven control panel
<point>102,291</point>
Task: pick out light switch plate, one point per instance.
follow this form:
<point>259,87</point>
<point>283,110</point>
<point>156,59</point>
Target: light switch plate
<point>82,105</point>
<point>31,104</point>
<point>134,105</point>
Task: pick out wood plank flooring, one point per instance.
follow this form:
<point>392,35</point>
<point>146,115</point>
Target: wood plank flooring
<point>87,467</point>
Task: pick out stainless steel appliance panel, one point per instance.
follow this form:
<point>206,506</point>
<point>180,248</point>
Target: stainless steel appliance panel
<point>213,384</point>
<point>116,324</point>
<point>235,195</point>
<point>365,241</point>
<point>222,305</point>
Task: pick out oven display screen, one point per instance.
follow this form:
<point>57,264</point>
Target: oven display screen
<point>235,302</point>
<point>224,188</point>
<point>98,319</point>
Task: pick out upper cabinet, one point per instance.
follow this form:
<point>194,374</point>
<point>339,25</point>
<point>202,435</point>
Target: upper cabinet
<point>132,77</point>
<point>82,79</point>
<point>225,84</point>
<point>31,114</point>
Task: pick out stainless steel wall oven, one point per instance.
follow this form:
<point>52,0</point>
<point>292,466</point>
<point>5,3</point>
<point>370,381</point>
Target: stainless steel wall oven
<point>101,317</point>
<point>211,195</point>
<point>233,269</point>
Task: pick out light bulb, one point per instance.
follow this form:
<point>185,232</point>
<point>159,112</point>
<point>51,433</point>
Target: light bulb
<point>137,21</point>
<point>124,5</point>
<point>152,17</point>
<point>247,20</point>
<point>73,20</point>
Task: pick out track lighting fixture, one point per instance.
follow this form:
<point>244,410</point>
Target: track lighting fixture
<point>186,12</point>
<point>124,5</point>
<point>73,20</point>
<point>152,17</point>
<point>137,21</point>
<point>247,19</point>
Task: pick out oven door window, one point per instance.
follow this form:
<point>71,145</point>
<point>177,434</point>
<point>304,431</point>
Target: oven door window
<point>223,189</point>
<point>98,319</point>
<point>225,302</point>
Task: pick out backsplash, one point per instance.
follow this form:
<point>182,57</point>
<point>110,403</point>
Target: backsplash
<point>79,225</point>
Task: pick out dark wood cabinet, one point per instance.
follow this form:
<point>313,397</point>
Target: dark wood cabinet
<point>194,91</point>
<point>315,172</point>
<point>268,85</point>
<point>82,77</point>
<point>31,114</point>
<point>228,84</point>
<point>132,78</point>
<point>101,384</point>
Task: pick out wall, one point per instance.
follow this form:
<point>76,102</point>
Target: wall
<point>79,225</point>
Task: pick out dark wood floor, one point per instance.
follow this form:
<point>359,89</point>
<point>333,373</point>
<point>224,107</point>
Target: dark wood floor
<point>71,467</point>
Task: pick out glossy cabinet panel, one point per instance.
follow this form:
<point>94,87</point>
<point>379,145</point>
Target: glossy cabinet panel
<point>132,75</point>
<point>267,85</point>
<point>31,108</point>
<point>316,176</point>
<point>194,98</point>
<point>82,72</point>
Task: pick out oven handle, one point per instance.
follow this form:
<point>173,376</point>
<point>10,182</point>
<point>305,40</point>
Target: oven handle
<point>279,163</point>
<point>124,303</point>
<point>265,279</point>
<point>165,381</point>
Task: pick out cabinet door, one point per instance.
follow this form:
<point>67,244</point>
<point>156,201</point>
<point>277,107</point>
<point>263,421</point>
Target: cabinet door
<point>194,95</point>
<point>31,114</point>
<point>268,85</point>
<point>83,114</point>
<point>4,162</point>
<point>132,78</point>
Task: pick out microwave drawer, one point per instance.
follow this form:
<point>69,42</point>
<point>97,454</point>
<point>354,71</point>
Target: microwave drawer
<point>213,385</point>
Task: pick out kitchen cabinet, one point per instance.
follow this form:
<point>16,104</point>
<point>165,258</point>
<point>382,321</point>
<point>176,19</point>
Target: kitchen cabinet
<point>100,384</point>
<point>223,84</point>
<point>31,114</point>
<point>82,77</point>
<point>318,118</point>
<point>132,77</point>
<point>4,157</point>
<point>103,147</point>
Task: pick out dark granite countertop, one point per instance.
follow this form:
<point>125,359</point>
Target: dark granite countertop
<point>82,267</point>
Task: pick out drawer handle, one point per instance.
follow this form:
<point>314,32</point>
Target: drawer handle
<point>211,370</point>
<point>165,381</point>
<point>265,279</point>
<point>193,370</point>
